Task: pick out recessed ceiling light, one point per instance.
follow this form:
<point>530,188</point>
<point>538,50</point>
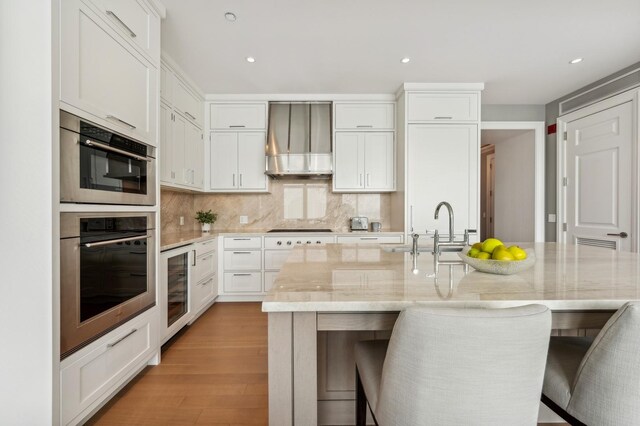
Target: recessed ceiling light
<point>251,59</point>
<point>575,61</point>
<point>229,16</point>
<point>405,60</point>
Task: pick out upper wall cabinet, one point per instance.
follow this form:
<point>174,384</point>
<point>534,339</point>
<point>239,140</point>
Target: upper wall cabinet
<point>238,116</point>
<point>135,22</point>
<point>442,107</point>
<point>103,76</point>
<point>186,102</point>
<point>363,116</point>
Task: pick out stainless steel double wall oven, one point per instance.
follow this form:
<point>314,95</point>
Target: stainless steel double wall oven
<point>107,259</point>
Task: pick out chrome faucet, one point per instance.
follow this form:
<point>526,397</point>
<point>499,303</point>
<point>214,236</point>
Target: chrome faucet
<point>414,248</point>
<point>450,210</point>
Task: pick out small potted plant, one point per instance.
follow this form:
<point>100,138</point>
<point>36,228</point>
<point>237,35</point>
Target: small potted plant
<point>206,219</point>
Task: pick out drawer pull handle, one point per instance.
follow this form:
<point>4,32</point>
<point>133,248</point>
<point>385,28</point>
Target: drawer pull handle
<point>442,118</point>
<point>110,345</point>
<point>364,126</point>
<point>241,252</point>
<point>126,27</point>
<point>241,275</point>
<point>113,117</point>
<point>368,238</point>
<point>242,239</point>
<point>193,117</point>
<point>237,126</point>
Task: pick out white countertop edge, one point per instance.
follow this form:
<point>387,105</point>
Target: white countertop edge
<point>395,306</point>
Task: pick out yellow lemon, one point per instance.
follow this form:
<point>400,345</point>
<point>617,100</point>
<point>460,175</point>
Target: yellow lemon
<point>502,254</point>
<point>518,252</point>
<point>477,246</point>
<point>473,252</point>
<point>484,255</point>
<point>490,244</point>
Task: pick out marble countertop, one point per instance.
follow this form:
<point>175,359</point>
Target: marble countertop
<point>355,278</point>
<point>178,239</point>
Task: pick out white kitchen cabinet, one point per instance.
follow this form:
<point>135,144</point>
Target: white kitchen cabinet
<point>243,282</point>
<point>362,116</point>
<point>242,242</point>
<point>166,84</point>
<point>136,22</point>
<point>90,375</point>
<point>103,77</point>
<point>364,162</point>
<point>204,285</point>
<point>370,238</point>
<point>186,102</point>
<point>182,151</point>
<point>167,163</point>
<point>269,279</point>
<point>442,107</point>
<point>238,116</point>
<point>238,162</point>
<point>442,163</point>
<point>194,157</point>
<point>242,266</point>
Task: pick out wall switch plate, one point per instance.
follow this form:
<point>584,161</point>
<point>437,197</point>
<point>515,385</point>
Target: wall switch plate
<point>181,220</point>
<point>244,219</point>
<point>552,218</point>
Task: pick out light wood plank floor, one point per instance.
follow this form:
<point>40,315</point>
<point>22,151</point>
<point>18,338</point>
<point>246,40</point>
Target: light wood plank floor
<point>214,373</point>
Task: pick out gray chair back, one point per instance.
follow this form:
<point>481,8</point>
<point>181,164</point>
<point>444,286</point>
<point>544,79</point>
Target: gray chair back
<point>465,367</point>
<point>606,389</point>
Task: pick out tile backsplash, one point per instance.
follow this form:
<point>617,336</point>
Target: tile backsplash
<point>290,204</point>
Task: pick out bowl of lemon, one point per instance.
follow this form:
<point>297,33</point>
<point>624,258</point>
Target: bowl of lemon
<point>493,257</point>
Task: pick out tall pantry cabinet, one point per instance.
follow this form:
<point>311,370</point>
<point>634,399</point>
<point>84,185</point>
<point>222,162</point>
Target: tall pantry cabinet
<point>440,156</point>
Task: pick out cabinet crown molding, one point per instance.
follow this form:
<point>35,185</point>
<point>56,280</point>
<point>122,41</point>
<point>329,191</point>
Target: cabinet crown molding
<point>439,87</point>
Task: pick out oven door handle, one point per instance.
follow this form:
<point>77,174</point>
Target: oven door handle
<point>91,143</point>
<point>119,240</point>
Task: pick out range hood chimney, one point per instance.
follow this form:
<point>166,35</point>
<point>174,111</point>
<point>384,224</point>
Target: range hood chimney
<point>299,140</point>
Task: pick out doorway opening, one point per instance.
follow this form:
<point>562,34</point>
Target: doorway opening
<point>508,185</point>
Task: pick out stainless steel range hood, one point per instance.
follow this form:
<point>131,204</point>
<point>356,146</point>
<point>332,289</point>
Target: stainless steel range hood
<point>299,140</point>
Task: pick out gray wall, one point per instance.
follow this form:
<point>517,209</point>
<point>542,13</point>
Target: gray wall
<point>551,115</point>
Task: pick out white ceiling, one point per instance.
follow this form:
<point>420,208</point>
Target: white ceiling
<point>520,49</point>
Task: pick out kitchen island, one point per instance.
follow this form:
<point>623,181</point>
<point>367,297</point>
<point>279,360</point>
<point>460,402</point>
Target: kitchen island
<point>326,298</point>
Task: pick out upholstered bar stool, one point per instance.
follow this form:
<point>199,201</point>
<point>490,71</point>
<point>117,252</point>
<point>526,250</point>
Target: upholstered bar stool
<point>597,381</point>
<point>455,367</point>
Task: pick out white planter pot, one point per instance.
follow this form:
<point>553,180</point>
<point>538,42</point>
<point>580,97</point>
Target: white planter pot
<point>206,227</point>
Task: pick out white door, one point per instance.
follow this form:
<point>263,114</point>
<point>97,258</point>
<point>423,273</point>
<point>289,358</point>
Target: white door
<point>178,146</point>
<point>251,161</point>
<point>443,166</point>
<point>192,153</point>
<point>378,160</point>
<point>349,169</point>
<point>166,156</point>
<point>224,160</point>
<point>599,189</point>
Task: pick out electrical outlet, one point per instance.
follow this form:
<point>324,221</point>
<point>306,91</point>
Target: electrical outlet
<point>244,219</point>
<point>181,220</point>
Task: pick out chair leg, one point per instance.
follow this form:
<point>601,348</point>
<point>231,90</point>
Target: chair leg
<point>361,402</point>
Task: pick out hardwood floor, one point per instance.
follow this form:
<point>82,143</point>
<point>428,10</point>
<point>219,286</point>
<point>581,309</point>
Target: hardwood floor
<point>214,373</point>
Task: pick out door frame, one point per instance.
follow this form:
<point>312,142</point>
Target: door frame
<point>538,129</point>
<point>632,96</point>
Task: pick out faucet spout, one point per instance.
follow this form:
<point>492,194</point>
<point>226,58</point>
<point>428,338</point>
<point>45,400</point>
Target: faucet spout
<point>450,210</point>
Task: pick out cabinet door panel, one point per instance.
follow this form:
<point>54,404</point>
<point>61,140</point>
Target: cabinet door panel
<point>104,76</point>
<point>349,167</point>
<point>251,161</point>
<point>379,161</point>
<point>166,84</point>
<point>443,166</point>
<point>443,107</point>
<point>166,145</point>
<point>186,102</point>
<point>178,147</point>
<point>238,116</point>
<point>365,116</point>
<point>224,160</point>
<point>192,151</point>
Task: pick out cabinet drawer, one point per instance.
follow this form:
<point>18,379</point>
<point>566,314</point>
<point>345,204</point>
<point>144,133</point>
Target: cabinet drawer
<point>269,278</point>
<point>238,282</point>
<point>205,247</point>
<point>205,266</point>
<point>238,116</point>
<point>442,107</point>
<point>370,239</point>
<point>203,292</point>
<point>87,379</point>
<point>286,243</point>
<point>135,22</point>
<point>365,116</point>
<point>274,259</point>
<point>247,260</point>
<point>242,242</point>
<point>186,102</point>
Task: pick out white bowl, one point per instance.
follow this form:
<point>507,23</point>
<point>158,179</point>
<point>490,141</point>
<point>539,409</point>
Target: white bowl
<point>499,267</point>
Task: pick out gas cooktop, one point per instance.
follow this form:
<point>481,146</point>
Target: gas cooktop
<point>301,230</point>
